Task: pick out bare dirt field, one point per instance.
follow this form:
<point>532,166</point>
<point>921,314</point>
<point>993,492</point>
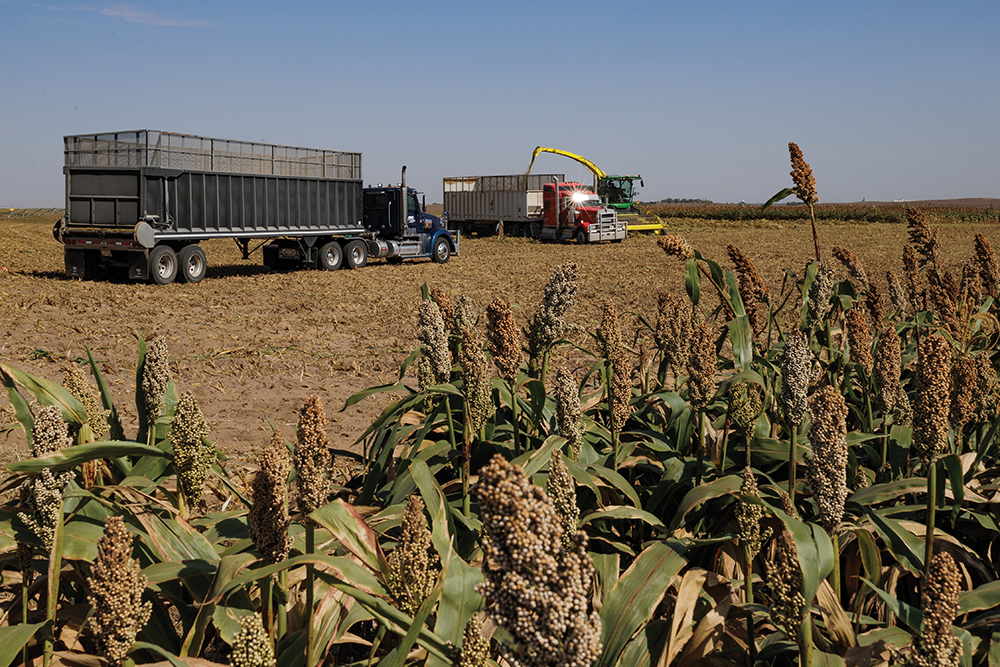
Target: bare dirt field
<point>252,344</point>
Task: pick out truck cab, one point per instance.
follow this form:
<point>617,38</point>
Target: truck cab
<point>572,210</point>
<point>413,235</point>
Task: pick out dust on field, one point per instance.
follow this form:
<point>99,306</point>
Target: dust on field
<point>252,344</point>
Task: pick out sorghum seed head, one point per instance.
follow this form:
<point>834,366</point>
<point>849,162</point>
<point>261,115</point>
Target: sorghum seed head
<point>251,644</point>
<point>897,293</point>
<point>465,314</point>
<point>796,365</point>
<point>434,341</point>
<point>444,304</point>
<point>534,588</point>
<point>193,458</point>
<point>860,339</point>
<point>115,593</point>
<point>888,367</point>
<point>476,380</point>
<point>412,564</point>
<point>677,247</point>
<point>749,515</point>
<point>562,490</point>
<point>475,647</point>
<point>75,381</point>
<point>757,289</point>
<point>820,293</point>
<point>852,264</point>
<point>937,645</point>
<point>504,339</point>
<point>549,322</point>
<point>312,459</point>
<point>269,520</point>
<point>155,377</point>
<point>828,463</point>
<point>701,365</point>
<point>931,407</point>
<point>673,329</point>
<point>785,576</point>
<point>568,416</point>
<point>802,176</point>
<point>922,237</point>
<point>989,267</point>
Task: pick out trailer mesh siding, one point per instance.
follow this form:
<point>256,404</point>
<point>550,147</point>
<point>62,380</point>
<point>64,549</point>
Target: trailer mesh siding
<point>209,187</point>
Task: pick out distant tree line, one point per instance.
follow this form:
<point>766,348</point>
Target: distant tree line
<point>677,200</point>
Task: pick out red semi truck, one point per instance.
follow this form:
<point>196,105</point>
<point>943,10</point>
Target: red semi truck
<point>543,206</point>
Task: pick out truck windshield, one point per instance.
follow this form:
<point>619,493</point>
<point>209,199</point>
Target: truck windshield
<point>586,199</point>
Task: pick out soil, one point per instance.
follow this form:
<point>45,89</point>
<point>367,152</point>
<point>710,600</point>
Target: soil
<point>252,344</point>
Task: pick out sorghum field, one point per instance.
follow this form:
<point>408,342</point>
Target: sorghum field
<point>704,447</point>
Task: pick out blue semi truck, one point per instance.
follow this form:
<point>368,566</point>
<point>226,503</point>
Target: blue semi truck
<point>143,201</point>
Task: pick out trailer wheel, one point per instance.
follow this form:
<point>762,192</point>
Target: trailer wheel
<point>356,254</point>
<point>331,256</point>
<point>192,264</point>
<point>163,265</point>
<point>442,250</point>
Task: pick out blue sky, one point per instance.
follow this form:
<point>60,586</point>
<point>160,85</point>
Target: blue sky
<point>887,99</point>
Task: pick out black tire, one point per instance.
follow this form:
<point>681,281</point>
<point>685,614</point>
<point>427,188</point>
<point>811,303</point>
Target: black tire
<point>191,264</point>
<point>162,265</point>
<point>581,236</point>
<point>356,254</point>
<point>331,256</point>
<point>442,250</point>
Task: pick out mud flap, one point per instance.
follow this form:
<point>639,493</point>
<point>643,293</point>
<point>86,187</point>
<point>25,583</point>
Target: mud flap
<point>140,266</point>
<point>76,263</point>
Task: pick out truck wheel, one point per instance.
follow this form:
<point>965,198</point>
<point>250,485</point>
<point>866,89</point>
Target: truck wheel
<point>163,265</point>
<point>331,256</point>
<point>442,251</point>
<point>581,236</point>
<point>192,265</point>
<point>356,254</point>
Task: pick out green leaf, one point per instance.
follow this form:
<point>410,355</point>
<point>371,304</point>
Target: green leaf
<point>725,486</point>
<point>692,281</point>
<point>14,638</point>
<point>624,512</point>
<point>629,606</point>
<point>781,194</point>
<point>345,524</point>
<point>815,551</point>
<point>21,408</point>
<point>904,545</point>
<point>370,391</point>
<point>47,392</point>
<point>953,465</point>
<point>986,596</point>
<point>114,423</point>
<point>459,600</point>
<point>880,493</point>
<point>910,616</point>
<point>70,457</point>
<point>742,339</point>
<point>871,559</point>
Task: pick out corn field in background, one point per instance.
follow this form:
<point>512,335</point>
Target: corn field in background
<point>828,213</point>
<point>752,474</point>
